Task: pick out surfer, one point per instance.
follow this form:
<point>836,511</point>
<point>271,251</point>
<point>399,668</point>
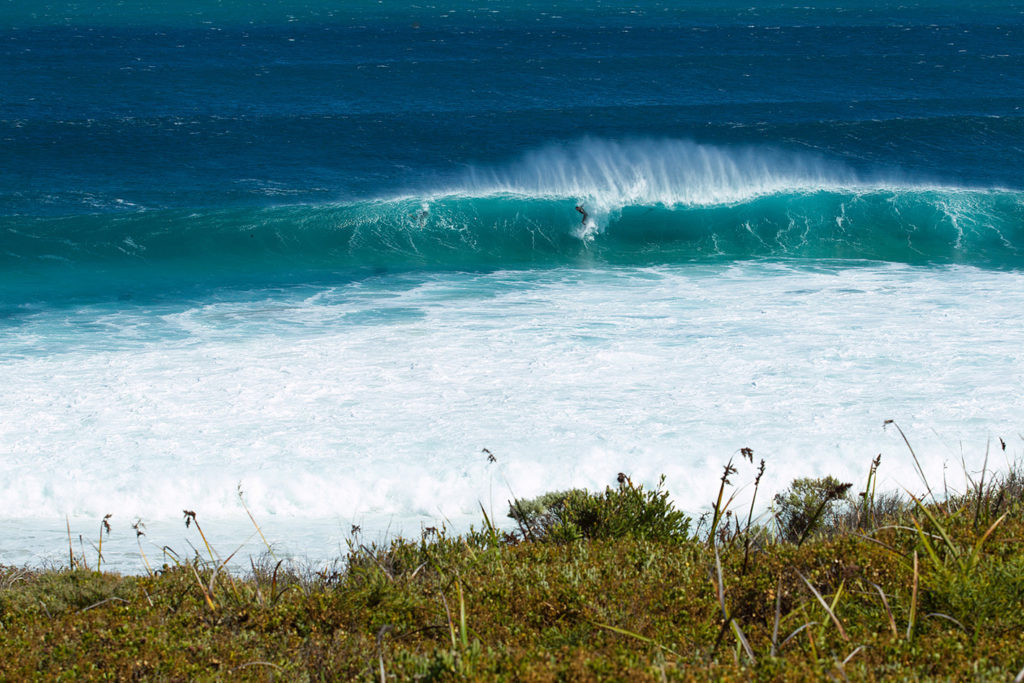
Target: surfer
<point>579,207</point>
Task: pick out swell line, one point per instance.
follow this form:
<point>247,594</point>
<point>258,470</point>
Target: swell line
<point>908,225</point>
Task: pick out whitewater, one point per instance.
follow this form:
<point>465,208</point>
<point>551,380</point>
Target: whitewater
<point>325,266</point>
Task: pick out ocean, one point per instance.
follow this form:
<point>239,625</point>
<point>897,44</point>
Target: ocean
<point>386,265</point>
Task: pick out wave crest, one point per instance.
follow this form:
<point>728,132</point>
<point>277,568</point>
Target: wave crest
<point>649,202</point>
<point>611,175</point>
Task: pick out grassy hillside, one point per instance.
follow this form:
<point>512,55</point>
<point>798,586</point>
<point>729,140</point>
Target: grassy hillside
<point>836,581</point>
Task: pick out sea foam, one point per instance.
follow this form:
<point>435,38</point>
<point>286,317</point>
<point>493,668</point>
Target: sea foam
<point>370,403</point>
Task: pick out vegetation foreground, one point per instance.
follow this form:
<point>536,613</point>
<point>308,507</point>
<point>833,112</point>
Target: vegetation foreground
<point>832,583</point>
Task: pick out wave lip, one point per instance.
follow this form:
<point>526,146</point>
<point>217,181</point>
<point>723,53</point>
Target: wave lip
<point>611,175</point>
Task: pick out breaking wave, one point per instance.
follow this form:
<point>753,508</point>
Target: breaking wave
<point>646,201</point>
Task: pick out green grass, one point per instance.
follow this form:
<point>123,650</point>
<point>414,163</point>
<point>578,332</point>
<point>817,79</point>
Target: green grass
<point>612,585</point>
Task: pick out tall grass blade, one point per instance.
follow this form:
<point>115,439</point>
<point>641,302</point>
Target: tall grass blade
<point>72,565</point>
<point>206,594</point>
<point>813,520</point>
<point>139,533</point>
<point>720,585</point>
<point>81,547</point>
<point>260,600</point>
<point>245,507</point>
<point>948,618</point>
<point>103,602</point>
<point>463,631</point>
<point>913,603</point>
<point>976,552</point>
<point>778,615</point>
<point>720,591</point>
<point>852,655</point>
<point>169,552</point>
<point>824,604</point>
<point>750,517</point>
<point>492,531</point>
<point>639,637</point>
<point>451,623</point>
<point>980,491</point>
<point>380,650</point>
<point>796,632</point>
<point>730,621</point>
<point>877,542</point>
<point>941,529</point>
<point>190,518</point>
<point>868,494</point>
<point>927,544</point>
<point>104,524</point>
<point>719,511</point>
<point>917,463</point>
<point>888,611</point>
<point>743,641</point>
<point>839,594</point>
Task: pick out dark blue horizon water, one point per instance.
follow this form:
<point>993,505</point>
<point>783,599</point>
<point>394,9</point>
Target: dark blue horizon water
<point>182,137</point>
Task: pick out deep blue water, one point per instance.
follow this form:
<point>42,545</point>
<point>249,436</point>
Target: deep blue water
<point>180,138</point>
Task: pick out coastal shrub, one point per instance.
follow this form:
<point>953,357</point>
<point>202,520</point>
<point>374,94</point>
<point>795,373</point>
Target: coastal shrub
<point>989,596</point>
<point>628,510</point>
<point>533,515</point>
<point>880,509</point>
<point>991,494</point>
<point>811,505</point>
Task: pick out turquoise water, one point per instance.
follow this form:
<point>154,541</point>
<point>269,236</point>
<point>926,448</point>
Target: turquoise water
<point>331,253</point>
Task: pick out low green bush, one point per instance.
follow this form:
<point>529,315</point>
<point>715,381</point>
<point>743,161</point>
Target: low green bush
<point>628,510</point>
<point>811,506</point>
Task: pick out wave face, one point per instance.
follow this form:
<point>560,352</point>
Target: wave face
<point>647,202</point>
